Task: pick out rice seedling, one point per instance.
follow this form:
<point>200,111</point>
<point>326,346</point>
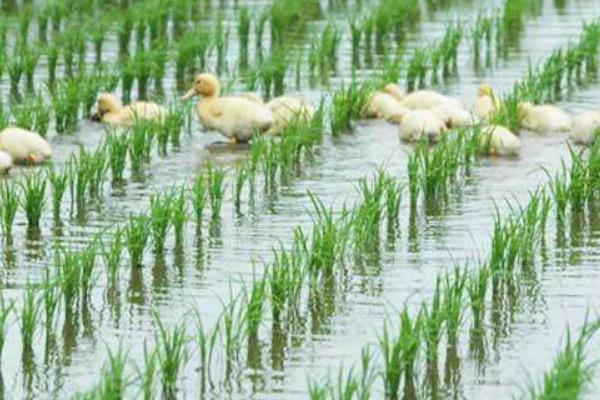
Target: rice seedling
<point>232,334</point>
<point>43,18</point>
<point>50,298</point>
<point>476,287</point>
<point>15,70</point>
<point>393,190</point>
<point>158,59</point>
<point>160,219</point>
<point>29,314</point>
<point>206,340</point>
<point>118,145</point>
<point>6,308</point>
<point>244,19</point>
<point>571,372</point>
<point>173,124</point>
<point>137,233</point>
<point>142,66</point>
<point>172,355</point>
<point>114,382</point>
<point>98,36</point>
<point>452,303</point>
<point>221,38</point>
<point>124,35</point>
<point>199,197</point>
<point>30,57</point>
<point>259,28</point>
<point>432,322</point>
<point>391,350</point>
<point>33,198</point>
<point>87,263</point>
<point>112,256</point>
<point>216,190</point>
<point>241,177</point>
<point>66,105</point>
<point>52,53</point>
<point>417,69</point>
<point>9,203</point>
<point>348,104</point>
<point>255,307</point>
<point>147,375</point>
<point>58,182</point>
<point>179,216</point>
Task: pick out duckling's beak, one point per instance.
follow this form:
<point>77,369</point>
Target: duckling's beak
<point>189,94</point>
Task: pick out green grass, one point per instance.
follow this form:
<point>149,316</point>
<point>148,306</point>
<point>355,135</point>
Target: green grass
<point>172,355</point>
<point>9,203</point>
<point>137,233</point>
<point>33,198</point>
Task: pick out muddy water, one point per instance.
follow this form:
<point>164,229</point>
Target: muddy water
<point>209,269</point>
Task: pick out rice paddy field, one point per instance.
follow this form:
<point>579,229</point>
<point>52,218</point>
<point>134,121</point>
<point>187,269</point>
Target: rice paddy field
<point>332,262</point>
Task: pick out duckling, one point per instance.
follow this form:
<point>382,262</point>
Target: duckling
<point>426,99</point>
<point>544,118</point>
<point>585,126</point>
<point>487,101</point>
<point>110,111</point>
<point>394,90</point>
<point>285,109</point>
<point>24,146</point>
<point>499,141</point>
<point>253,96</point>
<point>236,117</point>
<point>6,162</point>
<point>417,124</point>
<point>384,105</point>
<point>453,117</point>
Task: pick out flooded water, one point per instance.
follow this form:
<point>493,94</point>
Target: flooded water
<point>215,266</point>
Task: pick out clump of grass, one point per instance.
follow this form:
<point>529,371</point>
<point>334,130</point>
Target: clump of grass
<point>148,374</point>
<point>112,256</point>
<point>172,355</point>
<point>51,299</point>
<point>179,217</point>
<point>6,308</point>
<point>255,307</point>
<point>244,19</point>
<point>9,203</point>
<point>114,382</point>
<point>118,145</point>
<point>348,104</point>
<point>137,233</point>
<point>33,198</point>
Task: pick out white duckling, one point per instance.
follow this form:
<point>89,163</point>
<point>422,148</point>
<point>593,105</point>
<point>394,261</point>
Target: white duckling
<point>427,99</point>
<point>394,90</point>
<point>453,117</point>
<point>585,127</point>
<point>385,106</point>
<point>236,117</point>
<point>110,110</point>
<point>24,146</point>
<point>544,118</point>
<point>6,162</point>
<point>417,124</point>
<point>488,102</point>
<point>499,141</point>
<point>286,109</point>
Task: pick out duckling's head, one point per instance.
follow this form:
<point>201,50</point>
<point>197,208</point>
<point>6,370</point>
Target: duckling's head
<point>107,102</point>
<point>524,109</point>
<point>485,90</point>
<point>394,90</point>
<point>206,85</point>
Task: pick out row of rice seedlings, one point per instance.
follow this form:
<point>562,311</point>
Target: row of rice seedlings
<point>323,52</point>
<point>546,83</point>
<point>348,104</point>
<point>32,115</point>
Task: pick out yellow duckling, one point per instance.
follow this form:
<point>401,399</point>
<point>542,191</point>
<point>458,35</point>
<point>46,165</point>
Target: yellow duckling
<point>110,110</point>
<point>385,106</point>
<point>24,146</point>
<point>427,99</point>
<point>286,109</point>
<point>487,101</point>
<point>453,117</point>
<point>544,118</point>
<point>499,141</point>
<point>585,127</point>
<point>6,162</point>
<point>418,124</point>
<point>236,117</point>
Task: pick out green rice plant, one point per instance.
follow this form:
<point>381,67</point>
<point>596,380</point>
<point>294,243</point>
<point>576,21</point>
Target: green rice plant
<point>432,322</point>
<point>29,314</point>
<point>453,303</point>
<point>30,57</point>
<point>356,34</point>
<point>244,19</point>
<point>87,262</point>
<point>216,189</point>
<point>241,177</point>
<point>4,117</point>
<point>140,34</point>
<point>66,105</point>
<point>147,375</point>
<point>259,28</point>
<point>221,38</point>
<point>255,306</point>
<point>67,263</point>
<point>98,35</point>
<point>571,371</point>
<point>33,198</point>
<point>161,207</point>
<point>179,217</point>
<point>348,104</point>
<point>112,256</point>
<point>477,285</point>
<point>285,277</point>
<point>416,71</point>
<point>96,169</point>
<point>482,30</point>
<point>137,148</point>
<point>369,212</point>
<point>124,35</point>
<point>118,145</point>
<point>52,53</point>
<point>158,60</point>
<point>137,233</point>
<point>114,382</point>
<point>142,66</point>
<point>232,333</point>
<point>51,299</point>
<point>391,351</point>
<point>393,192</point>
<point>199,197</point>
<point>206,340</point>
<point>127,78</point>
<point>6,308</point>
<point>15,70</point>
<point>172,355</point>
<point>9,203</point>
<point>173,125</point>
<point>43,17</point>
<point>58,182</point>
<point>25,19</point>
